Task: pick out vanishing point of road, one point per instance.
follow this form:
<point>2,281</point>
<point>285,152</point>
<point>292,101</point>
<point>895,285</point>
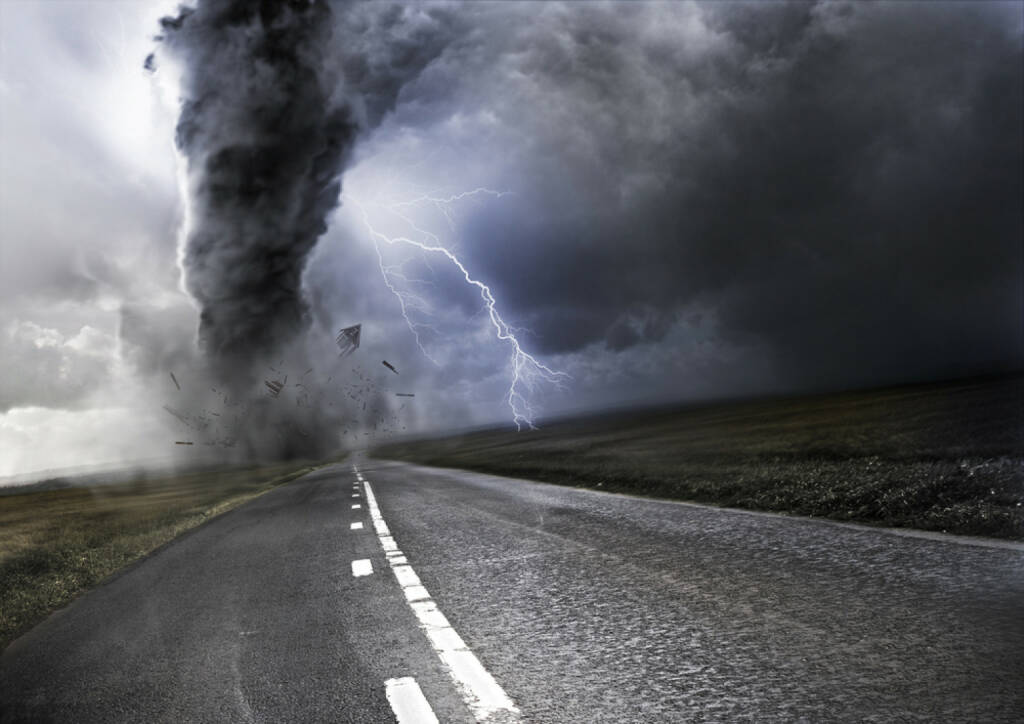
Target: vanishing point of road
<point>379,591</point>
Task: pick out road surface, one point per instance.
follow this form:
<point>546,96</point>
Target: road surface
<point>470,597</point>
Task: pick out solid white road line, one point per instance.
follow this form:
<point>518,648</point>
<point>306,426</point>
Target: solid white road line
<point>408,703</point>
<point>482,694</point>
<point>356,526</point>
<point>362,567</point>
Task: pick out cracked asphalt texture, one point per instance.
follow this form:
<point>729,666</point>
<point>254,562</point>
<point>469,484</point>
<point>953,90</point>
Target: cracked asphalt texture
<point>585,606</point>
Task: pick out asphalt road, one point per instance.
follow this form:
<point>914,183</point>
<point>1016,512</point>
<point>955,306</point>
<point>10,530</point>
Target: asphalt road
<point>582,606</point>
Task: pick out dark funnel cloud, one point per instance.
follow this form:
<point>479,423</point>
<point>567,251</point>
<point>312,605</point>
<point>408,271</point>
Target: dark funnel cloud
<point>274,96</point>
<point>266,132</point>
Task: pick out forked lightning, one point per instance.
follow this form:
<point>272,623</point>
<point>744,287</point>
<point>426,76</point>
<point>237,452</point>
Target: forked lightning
<point>527,371</point>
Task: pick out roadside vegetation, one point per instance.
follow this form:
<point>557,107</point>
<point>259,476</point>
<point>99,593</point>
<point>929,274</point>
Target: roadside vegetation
<point>56,544</point>
<point>943,457</point>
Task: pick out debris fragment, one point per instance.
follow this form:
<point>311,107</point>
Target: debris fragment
<point>275,387</point>
<point>182,442</point>
<point>348,339</point>
<point>175,381</point>
<point>389,366</point>
<point>404,394</point>
<point>177,415</point>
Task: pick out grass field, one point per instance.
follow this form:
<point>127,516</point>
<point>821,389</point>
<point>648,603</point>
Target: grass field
<point>55,544</point>
<point>946,457</point>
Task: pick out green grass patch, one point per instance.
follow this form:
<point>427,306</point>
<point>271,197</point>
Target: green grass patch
<point>946,457</point>
<point>56,544</point>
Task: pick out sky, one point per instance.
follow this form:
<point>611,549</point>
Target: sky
<point>664,201</point>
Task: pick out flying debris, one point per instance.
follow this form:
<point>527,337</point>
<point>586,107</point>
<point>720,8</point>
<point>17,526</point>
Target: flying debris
<point>404,394</point>
<point>275,387</point>
<point>389,366</point>
<point>181,442</point>
<point>175,381</point>
<point>348,339</point>
<point>177,415</point>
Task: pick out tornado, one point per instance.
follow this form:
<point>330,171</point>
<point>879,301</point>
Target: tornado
<point>274,95</point>
<point>265,131</point>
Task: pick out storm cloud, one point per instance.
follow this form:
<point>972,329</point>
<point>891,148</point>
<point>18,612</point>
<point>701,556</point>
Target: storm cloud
<point>705,200</point>
<point>837,185</point>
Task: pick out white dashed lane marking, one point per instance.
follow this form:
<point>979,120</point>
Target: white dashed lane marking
<point>362,567</point>
<point>407,701</point>
<point>482,694</point>
<point>356,526</point>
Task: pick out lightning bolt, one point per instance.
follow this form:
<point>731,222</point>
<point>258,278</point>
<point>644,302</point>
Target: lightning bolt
<point>528,373</point>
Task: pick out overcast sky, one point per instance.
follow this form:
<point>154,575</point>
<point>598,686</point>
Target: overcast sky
<point>697,200</point>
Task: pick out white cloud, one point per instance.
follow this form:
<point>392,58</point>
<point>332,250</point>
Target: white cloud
<point>34,439</point>
<point>45,367</point>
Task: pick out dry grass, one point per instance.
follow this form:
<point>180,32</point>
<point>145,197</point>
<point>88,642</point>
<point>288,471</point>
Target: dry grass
<point>55,544</point>
<point>946,457</point>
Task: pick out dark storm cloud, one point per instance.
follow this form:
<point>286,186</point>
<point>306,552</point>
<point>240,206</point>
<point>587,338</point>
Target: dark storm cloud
<point>274,97</point>
<point>708,199</point>
<point>871,210</point>
<point>840,183</point>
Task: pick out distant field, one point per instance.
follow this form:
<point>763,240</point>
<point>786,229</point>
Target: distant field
<point>55,544</point>
<point>946,457</point>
